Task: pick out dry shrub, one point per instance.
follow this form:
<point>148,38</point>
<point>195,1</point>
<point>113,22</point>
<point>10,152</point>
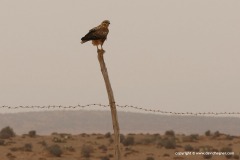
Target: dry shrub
<point>103,148</point>
<point>149,158</point>
<point>86,151</point>
<point>2,142</point>
<point>216,134</point>
<point>7,132</point>
<point>170,133</point>
<point>107,135</point>
<point>168,143</point>
<point>27,147</point>
<point>208,133</point>
<point>104,158</point>
<point>43,143</point>
<point>32,133</point>
<point>128,141</point>
<point>236,156</point>
<point>191,138</point>
<point>188,148</point>
<point>122,138</point>
<point>55,150</point>
<point>227,149</point>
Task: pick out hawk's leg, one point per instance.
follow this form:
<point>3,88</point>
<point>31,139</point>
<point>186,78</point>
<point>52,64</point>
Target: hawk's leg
<point>98,49</point>
<point>102,49</point>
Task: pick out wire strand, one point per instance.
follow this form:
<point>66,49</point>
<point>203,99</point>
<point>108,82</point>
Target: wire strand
<point>120,106</point>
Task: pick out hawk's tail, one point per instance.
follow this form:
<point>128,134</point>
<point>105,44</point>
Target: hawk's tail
<point>84,39</point>
<point>83,42</point>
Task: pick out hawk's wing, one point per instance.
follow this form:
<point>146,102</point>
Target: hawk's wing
<point>96,33</point>
<point>95,28</point>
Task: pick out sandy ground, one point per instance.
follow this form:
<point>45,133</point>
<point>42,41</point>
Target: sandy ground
<point>101,147</point>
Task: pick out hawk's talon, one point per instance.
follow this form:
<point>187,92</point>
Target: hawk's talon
<point>101,51</point>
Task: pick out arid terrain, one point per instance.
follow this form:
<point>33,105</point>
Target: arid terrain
<point>84,121</point>
<point>62,146</point>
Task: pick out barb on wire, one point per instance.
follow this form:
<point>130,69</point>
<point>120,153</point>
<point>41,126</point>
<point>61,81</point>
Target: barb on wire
<point>120,106</point>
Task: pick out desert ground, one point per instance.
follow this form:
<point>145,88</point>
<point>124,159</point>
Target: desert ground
<point>168,146</point>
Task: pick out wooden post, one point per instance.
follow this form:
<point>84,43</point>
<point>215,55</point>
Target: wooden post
<point>112,105</point>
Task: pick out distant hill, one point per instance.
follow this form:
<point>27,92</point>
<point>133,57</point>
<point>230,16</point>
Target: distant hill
<point>82,121</point>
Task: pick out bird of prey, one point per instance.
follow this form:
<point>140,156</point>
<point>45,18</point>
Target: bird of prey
<point>98,34</point>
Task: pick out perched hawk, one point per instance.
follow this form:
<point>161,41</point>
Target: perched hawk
<point>98,34</point>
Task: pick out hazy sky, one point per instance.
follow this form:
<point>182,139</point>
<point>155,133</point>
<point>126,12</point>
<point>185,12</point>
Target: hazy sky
<point>171,55</point>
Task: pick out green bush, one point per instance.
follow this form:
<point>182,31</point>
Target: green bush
<point>55,150</point>
<point>86,151</point>
<point>6,133</point>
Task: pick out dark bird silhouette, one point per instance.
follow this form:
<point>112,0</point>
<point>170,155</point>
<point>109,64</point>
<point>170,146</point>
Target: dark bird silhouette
<point>97,35</point>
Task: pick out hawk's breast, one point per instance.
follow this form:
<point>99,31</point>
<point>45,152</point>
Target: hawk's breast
<point>96,42</point>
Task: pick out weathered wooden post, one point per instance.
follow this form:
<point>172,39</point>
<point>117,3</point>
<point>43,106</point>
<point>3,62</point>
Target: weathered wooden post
<point>112,104</point>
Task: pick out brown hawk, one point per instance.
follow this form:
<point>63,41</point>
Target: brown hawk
<point>98,34</point>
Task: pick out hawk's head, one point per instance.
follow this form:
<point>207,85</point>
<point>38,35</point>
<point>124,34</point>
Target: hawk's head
<point>105,23</point>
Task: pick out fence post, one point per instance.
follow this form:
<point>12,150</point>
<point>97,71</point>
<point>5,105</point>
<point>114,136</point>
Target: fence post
<point>112,105</point>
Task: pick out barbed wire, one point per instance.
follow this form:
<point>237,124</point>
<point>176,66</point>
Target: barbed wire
<point>120,106</point>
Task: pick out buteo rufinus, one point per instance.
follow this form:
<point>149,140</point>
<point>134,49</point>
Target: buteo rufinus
<point>98,34</point>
